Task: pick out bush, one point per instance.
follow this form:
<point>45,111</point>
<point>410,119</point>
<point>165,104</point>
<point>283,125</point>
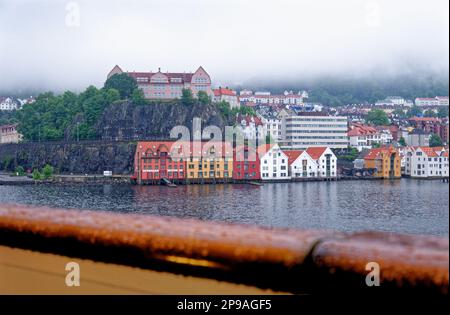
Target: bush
<point>20,171</point>
<point>47,171</point>
<point>37,175</point>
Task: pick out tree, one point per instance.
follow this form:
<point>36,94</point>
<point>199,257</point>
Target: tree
<point>138,97</point>
<point>47,171</point>
<point>402,142</point>
<point>414,111</point>
<point>377,117</point>
<point>123,83</point>
<point>435,141</point>
<point>203,98</point>
<point>20,171</point>
<point>442,112</point>
<point>112,95</point>
<point>186,97</point>
<point>37,175</point>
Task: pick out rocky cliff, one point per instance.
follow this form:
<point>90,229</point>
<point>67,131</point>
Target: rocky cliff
<point>119,125</point>
<point>87,157</point>
<point>128,121</point>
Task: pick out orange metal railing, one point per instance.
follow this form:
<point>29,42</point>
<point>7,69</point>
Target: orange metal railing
<point>279,259</point>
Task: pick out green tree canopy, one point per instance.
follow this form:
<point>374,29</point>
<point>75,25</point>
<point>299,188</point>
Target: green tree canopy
<point>435,141</point>
<point>138,97</point>
<point>50,117</point>
<point>186,97</point>
<point>123,83</point>
<point>377,117</point>
<point>203,98</point>
<point>402,142</point>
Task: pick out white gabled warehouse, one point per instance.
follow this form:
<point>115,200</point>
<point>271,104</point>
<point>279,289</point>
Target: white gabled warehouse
<point>426,162</point>
<point>325,159</point>
<point>274,163</point>
<point>301,165</point>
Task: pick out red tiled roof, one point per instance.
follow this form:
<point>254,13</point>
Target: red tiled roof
<point>374,154</point>
<point>359,130</point>
<point>292,155</point>
<point>316,153</point>
<point>224,91</point>
<point>433,151</point>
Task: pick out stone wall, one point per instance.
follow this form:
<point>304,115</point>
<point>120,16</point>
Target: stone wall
<point>84,157</point>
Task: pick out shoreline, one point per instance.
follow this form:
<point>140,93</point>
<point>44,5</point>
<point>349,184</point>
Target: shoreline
<point>11,180</point>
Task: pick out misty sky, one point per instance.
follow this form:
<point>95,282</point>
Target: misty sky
<point>70,44</point>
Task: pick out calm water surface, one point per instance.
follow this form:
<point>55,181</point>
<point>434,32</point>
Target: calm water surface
<point>411,206</point>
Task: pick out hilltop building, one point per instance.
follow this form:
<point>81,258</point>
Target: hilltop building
<point>169,85</point>
<point>8,103</point>
<point>226,95</point>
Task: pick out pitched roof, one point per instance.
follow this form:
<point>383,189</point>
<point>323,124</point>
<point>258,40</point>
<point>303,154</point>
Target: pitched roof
<point>376,153</point>
<point>359,130</point>
<point>292,155</point>
<point>224,91</point>
<point>315,152</point>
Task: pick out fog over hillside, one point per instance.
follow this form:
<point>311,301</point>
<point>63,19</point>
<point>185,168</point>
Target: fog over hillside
<point>58,45</point>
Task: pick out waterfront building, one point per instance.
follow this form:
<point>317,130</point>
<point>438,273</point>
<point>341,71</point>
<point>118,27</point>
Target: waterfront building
<point>169,85</point>
<point>386,161</point>
<point>325,159</point>
<point>426,162</point>
<point>314,130</point>
<point>226,95</point>
<point>8,103</point>
<point>153,161</point>
<point>301,164</point>
<point>274,162</point>
<point>246,163</point>
<point>9,134</point>
<point>210,161</point>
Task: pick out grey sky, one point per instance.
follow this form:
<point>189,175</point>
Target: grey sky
<point>42,43</point>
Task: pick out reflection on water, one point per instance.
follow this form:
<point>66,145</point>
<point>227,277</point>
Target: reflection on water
<point>410,206</point>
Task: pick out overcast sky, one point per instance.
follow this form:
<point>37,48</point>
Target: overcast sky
<point>71,44</point>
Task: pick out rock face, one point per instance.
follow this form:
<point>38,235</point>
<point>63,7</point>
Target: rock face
<point>87,157</point>
<point>125,121</point>
<point>119,125</point>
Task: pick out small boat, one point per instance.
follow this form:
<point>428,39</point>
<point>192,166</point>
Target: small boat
<point>168,183</point>
<point>255,183</point>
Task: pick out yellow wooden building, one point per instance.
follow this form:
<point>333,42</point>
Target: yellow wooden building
<point>386,160</point>
<point>210,161</point>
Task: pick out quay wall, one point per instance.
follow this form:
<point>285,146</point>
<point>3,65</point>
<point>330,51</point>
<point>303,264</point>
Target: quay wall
<point>84,157</point>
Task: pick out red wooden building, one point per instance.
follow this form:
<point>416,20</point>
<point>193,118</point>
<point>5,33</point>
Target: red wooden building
<point>153,161</point>
<point>246,163</point>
